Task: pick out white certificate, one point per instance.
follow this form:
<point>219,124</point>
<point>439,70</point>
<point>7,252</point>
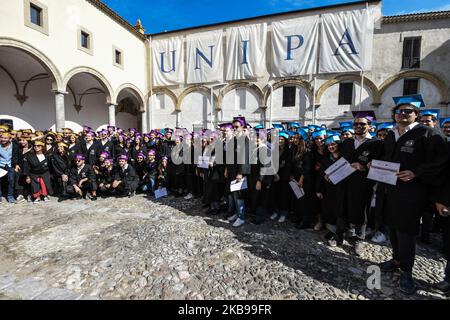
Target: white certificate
<point>160,193</point>
<point>203,162</point>
<point>238,186</point>
<point>3,173</point>
<point>385,172</point>
<point>299,192</point>
<point>340,170</point>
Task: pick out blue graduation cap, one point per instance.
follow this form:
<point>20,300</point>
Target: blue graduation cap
<point>348,129</point>
<point>319,133</point>
<point>444,121</point>
<point>385,126</point>
<point>259,127</point>
<point>278,126</point>
<point>346,124</point>
<point>314,127</point>
<point>332,133</point>
<point>294,125</point>
<point>373,134</point>
<point>303,133</point>
<point>291,133</point>
<point>432,112</point>
<point>415,100</point>
<point>284,134</point>
<point>333,138</point>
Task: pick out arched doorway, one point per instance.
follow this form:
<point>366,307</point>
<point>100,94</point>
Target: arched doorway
<point>27,79</point>
<point>130,111</point>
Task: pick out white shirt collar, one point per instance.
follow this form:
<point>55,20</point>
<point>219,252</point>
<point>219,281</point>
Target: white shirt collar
<point>408,128</point>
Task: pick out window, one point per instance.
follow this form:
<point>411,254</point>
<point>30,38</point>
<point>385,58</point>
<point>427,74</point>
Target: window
<point>85,41</point>
<point>410,87</point>
<point>36,15</point>
<point>411,52</point>
<point>346,93</point>
<point>241,99</point>
<point>289,94</point>
<point>117,57</point>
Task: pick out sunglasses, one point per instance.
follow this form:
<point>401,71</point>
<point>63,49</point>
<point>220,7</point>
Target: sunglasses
<point>49,139</point>
<point>404,111</point>
<point>360,124</point>
<point>236,127</point>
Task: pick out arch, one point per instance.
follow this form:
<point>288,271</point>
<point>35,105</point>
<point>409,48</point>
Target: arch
<point>288,82</point>
<point>137,93</point>
<point>191,89</point>
<point>166,91</point>
<point>41,58</point>
<point>100,78</point>
<point>368,84</point>
<point>433,78</point>
<point>237,85</point>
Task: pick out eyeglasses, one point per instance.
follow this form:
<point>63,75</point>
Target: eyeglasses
<point>427,121</point>
<point>49,139</point>
<point>236,127</point>
<point>404,111</point>
<point>360,124</point>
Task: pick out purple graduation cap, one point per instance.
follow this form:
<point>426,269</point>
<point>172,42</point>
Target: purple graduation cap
<point>141,154</point>
<point>90,133</point>
<point>152,153</point>
<point>369,115</point>
<point>132,130</point>
<point>80,157</point>
<point>122,157</point>
<point>104,155</point>
<point>226,126</point>
<point>109,160</point>
<point>241,120</point>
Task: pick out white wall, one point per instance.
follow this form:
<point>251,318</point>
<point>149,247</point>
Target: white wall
<point>231,107</point>
<point>162,116</point>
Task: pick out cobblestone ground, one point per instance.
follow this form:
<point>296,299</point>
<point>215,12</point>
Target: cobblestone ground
<point>140,249</point>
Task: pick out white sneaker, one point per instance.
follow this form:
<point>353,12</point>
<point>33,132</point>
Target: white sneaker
<point>20,199</point>
<point>36,201</point>
<point>189,197</point>
<point>274,216</point>
<point>46,199</point>
<point>282,219</point>
<point>379,237</point>
<point>239,223</point>
<point>233,218</point>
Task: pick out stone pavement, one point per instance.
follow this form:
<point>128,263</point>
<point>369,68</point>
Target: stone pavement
<point>141,249</point>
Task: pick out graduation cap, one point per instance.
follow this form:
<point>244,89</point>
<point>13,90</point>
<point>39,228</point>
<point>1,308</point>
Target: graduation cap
<point>294,125</point>
<point>122,157</point>
<point>278,126</point>
<point>62,144</point>
<point>167,130</point>
<point>373,134</point>
<point>415,100</point>
<point>241,120</point>
<point>228,125</point>
<point>80,157</point>
<point>332,133</point>
<point>284,134</point>
<point>369,115</point>
<point>259,127</point>
<point>385,126</point>
<point>314,127</point>
<point>333,138</point>
<point>444,121</point>
<point>345,124</point>
<point>348,129</point>
<point>319,133</point>
<point>291,133</point>
<point>432,112</point>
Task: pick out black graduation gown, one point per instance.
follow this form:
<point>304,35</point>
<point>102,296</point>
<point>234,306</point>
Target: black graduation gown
<point>35,169</point>
<point>281,191</point>
<point>86,172</point>
<point>421,150</point>
<point>129,178</point>
<point>106,176</point>
<point>333,204</point>
<point>107,147</point>
<point>60,165</point>
<point>358,189</point>
<point>72,151</point>
<point>92,153</point>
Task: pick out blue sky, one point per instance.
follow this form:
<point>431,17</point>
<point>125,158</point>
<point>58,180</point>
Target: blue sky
<point>162,15</point>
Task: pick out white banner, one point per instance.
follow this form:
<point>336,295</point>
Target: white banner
<point>346,41</point>
<point>246,52</point>
<point>168,62</point>
<point>205,58</point>
<point>295,45</point>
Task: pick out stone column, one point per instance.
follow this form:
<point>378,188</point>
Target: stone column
<point>144,121</point>
<point>112,115</point>
<point>60,110</point>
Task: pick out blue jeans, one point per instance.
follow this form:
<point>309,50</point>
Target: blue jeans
<point>11,181</point>
<point>150,186</point>
<point>236,206</point>
<point>447,272</point>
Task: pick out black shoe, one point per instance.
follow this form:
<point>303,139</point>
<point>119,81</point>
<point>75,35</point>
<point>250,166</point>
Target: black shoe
<point>389,266</point>
<point>329,236</point>
<point>442,287</point>
<point>407,284</point>
<point>94,198</point>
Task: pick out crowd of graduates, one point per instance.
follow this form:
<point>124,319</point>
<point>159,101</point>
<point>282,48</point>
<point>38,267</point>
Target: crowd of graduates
<point>118,163</point>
